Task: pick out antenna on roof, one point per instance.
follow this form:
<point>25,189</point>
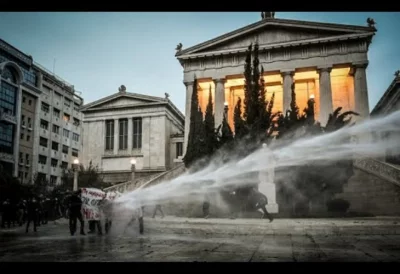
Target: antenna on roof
<point>54,66</point>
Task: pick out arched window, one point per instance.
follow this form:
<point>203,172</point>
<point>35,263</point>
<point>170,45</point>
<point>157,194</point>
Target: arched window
<point>9,74</point>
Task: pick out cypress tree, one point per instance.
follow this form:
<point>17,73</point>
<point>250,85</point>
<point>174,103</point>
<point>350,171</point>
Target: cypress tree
<point>209,127</point>
<point>247,85</point>
<point>195,147</point>
<point>239,123</point>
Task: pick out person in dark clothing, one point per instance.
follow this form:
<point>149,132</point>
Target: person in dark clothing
<point>206,207</point>
<point>158,208</point>
<point>32,211</point>
<point>106,208</point>
<point>45,210</point>
<point>21,212</point>
<point>75,213</point>
<point>138,215</point>
<point>7,213</point>
<point>40,211</point>
<point>260,201</point>
<point>141,222</point>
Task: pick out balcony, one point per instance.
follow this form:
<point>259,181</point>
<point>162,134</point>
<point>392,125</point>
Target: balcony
<point>44,133</point>
<point>8,118</point>
<point>55,171</point>
<point>44,150</point>
<point>6,157</point>
<point>56,120</point>
<point>42,168</point>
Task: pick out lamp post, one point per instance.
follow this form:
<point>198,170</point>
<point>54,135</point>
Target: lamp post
<point>76,167</point>
<point>226,108</point>
<point>133,168</point>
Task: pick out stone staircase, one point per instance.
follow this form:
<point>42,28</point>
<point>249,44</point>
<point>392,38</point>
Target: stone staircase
<point>374,187</point>
<point>386,171</point>
<point>148,180</point>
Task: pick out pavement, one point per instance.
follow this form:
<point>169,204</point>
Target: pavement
<point>212,240</point>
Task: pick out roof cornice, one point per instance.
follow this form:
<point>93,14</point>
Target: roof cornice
<point>121,95</point>
<point>281,45</point>
<point>276,22</point>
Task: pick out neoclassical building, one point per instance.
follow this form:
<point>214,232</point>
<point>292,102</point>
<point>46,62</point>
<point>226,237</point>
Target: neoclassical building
<point>325,61</point>
<point>128,125</point>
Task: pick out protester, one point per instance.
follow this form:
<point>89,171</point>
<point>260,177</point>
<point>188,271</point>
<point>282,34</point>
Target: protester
<point>7,213</point>
<point>75,207</point>
<point>32,212</point>
<point>158,208</point>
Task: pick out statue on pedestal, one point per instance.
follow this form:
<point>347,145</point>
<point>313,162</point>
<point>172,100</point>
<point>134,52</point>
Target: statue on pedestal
<point>267,14</point>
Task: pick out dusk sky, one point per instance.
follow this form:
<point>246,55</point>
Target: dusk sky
<point>98,52</point>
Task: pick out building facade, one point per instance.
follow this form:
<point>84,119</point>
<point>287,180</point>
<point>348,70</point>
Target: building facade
<point>389,103</point>
<point>324,61</point>
<point>40,124</point>
<point>127,125</point>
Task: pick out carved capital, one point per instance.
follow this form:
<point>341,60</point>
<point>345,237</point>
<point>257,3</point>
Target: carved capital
<point>287,72</point>
<point>361,65</point>
<point>324,69</point>
<point>188,83</point>
<point>219,80</point>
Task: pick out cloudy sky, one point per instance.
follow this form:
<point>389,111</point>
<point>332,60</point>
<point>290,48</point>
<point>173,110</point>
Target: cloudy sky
<point>98,52</point>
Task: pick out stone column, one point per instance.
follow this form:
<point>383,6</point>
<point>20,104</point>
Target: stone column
<point>130,134</point>
<point>287,89</point>
<point>325,91</point>
<point>361,90</point>
<point>361,105</point>
<point>219,100</point>
<point>39,80</point>
<point>116,136</point>
<point>189,92</point>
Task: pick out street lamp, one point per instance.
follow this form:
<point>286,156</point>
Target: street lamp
<point>226,108</point>
<point>75,167</point>
<point>133,168</point>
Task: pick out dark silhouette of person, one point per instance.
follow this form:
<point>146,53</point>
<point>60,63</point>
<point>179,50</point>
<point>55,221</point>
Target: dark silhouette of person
<point>206,207</point>
<point>158,208</point>
<point>75,213</point>
<point>260,201</point>
<point>138,215</point>
<point>141,221</point>
<point>46,205</point>
<point>106,208</point>
<point>32,212</point>
<point>7,213</point>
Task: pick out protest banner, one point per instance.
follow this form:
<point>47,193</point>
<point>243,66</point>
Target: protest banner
<point>91,198</point>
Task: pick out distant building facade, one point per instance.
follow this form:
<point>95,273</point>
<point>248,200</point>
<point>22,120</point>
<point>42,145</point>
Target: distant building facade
<point>389,103</point>
<point>40,122</point>
<point>127,125</point>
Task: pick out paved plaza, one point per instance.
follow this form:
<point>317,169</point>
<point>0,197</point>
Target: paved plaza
<point>213,240</point>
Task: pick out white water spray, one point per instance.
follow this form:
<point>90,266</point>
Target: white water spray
<point>316,149</point>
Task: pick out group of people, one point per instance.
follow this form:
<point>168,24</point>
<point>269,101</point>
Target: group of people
<point>36,210</point>
<point>74,203</point>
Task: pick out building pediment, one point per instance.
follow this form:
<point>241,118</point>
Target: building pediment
<point>270,32</point>
<point>122,100</point>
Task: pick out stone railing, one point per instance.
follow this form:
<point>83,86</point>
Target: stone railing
<point>378,168</point>
<point>130,185</point>
<point>166,176</point>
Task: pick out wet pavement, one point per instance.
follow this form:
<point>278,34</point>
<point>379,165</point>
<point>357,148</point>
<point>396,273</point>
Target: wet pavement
<point>212,240</point>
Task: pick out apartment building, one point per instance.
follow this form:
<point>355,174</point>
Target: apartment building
<point>40,121</point>
<point>60,127</point>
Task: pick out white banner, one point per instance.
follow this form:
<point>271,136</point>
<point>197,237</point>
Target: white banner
<point>91,198</point>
